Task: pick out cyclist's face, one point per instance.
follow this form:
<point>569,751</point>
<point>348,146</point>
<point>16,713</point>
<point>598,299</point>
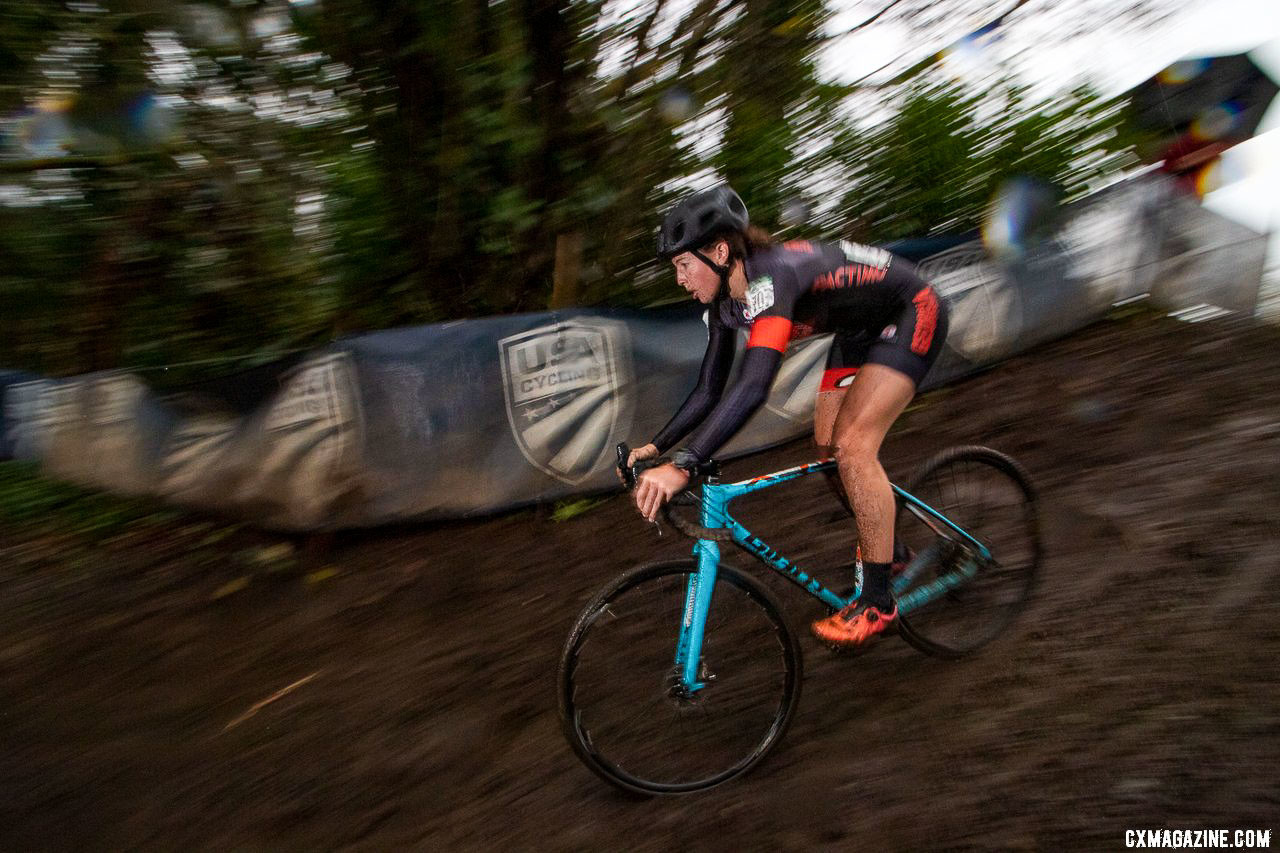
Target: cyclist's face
<point>697,278</point>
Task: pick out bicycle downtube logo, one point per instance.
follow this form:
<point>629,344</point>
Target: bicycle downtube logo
<point>568,391</point>
<point>690,597</point>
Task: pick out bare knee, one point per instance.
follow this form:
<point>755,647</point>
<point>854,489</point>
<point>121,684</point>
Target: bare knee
<point>856,449</point>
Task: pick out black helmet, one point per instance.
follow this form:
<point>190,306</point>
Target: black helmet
<point>698,217</point>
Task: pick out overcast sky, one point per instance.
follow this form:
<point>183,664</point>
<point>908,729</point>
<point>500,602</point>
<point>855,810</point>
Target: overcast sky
<point>1112,59</point>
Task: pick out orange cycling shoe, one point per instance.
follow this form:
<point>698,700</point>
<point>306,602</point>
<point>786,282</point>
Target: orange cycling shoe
<point>854,625</point>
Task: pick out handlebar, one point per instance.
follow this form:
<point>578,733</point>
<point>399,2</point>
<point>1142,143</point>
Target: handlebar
<point>694,531</point>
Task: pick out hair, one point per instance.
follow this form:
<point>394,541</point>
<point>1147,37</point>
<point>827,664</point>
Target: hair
<point>743,244</point>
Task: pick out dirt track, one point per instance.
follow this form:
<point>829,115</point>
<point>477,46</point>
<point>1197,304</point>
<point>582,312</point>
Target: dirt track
<point>1141,689</point>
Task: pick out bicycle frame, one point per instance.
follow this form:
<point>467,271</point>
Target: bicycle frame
<point>715,514</point>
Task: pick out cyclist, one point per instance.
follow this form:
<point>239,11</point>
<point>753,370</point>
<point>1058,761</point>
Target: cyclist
<point>889,327</point>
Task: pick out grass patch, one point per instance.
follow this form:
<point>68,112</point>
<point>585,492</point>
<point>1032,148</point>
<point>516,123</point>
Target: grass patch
<point>573,507</point>
<point>31,500</point>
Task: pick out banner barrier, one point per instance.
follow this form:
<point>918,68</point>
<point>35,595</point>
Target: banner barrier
<point>475,416</point>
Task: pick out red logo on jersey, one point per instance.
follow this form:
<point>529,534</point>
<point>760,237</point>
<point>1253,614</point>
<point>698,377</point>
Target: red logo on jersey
<point>850,275</point>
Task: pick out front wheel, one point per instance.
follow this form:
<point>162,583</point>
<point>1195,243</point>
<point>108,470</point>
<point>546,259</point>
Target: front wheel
<point>623,707</point>
<point>964,601</point>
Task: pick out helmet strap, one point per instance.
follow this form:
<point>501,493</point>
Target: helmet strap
<point>722,271</point>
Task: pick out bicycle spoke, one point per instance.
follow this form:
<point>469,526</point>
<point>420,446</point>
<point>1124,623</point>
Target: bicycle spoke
<point>629,715</point>
<point>984,493</point>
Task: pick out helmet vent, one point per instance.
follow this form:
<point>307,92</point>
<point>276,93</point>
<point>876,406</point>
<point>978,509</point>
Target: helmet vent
<point>698,217</point>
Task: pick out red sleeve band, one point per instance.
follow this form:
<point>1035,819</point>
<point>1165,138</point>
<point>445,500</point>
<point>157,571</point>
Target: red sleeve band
<point>771,332</point>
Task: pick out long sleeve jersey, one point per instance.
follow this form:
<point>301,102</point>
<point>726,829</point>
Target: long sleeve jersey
<point>794,290</point>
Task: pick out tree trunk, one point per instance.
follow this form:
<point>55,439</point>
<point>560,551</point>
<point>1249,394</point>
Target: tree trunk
<point>566,289</point>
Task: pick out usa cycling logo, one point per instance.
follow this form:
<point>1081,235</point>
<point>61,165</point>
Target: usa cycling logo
<point>567,389</point>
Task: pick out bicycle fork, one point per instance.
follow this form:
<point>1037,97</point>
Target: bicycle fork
<point>693,621</point>
<point>697,601</point>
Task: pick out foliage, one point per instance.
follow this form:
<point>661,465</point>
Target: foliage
<point>571,508</point>
<point>934,166</point>
<point>178,233</point>
<point>214,179</point>
<point>30,500</point>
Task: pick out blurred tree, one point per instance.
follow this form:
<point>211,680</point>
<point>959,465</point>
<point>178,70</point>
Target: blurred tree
<point>915,172</point>
<point>773,97</point>
<point>172,147</point>
<point>933,167</point>
<point>208,178</point>
<point>508,132</point>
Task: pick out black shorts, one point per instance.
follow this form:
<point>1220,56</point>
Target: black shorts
<point>910,344</point>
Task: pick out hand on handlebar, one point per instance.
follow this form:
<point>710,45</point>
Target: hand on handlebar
<point>640,454</point>
<point>656,486</point>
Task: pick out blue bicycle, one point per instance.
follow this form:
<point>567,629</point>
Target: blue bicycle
<point>682,675</point>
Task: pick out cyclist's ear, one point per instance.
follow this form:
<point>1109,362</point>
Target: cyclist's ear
<point>721,252</point>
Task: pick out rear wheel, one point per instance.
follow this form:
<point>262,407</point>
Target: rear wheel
<point>622,704</point>
<point>988,495</point>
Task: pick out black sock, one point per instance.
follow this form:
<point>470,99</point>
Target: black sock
<point>875,585</point>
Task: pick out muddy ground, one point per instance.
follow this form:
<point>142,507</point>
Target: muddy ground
<point>1140,689</point>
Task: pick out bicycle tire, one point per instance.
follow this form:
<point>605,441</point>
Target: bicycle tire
<point>646,643</point>
<point>953,482</point>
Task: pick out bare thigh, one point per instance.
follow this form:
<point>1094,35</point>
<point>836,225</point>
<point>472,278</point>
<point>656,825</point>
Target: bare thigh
<point>877,397</point>
<point>868,407</point>
<point>825,410</point>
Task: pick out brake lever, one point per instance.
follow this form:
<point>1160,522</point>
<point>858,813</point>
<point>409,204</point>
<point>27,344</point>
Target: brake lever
<point>629,475</point>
